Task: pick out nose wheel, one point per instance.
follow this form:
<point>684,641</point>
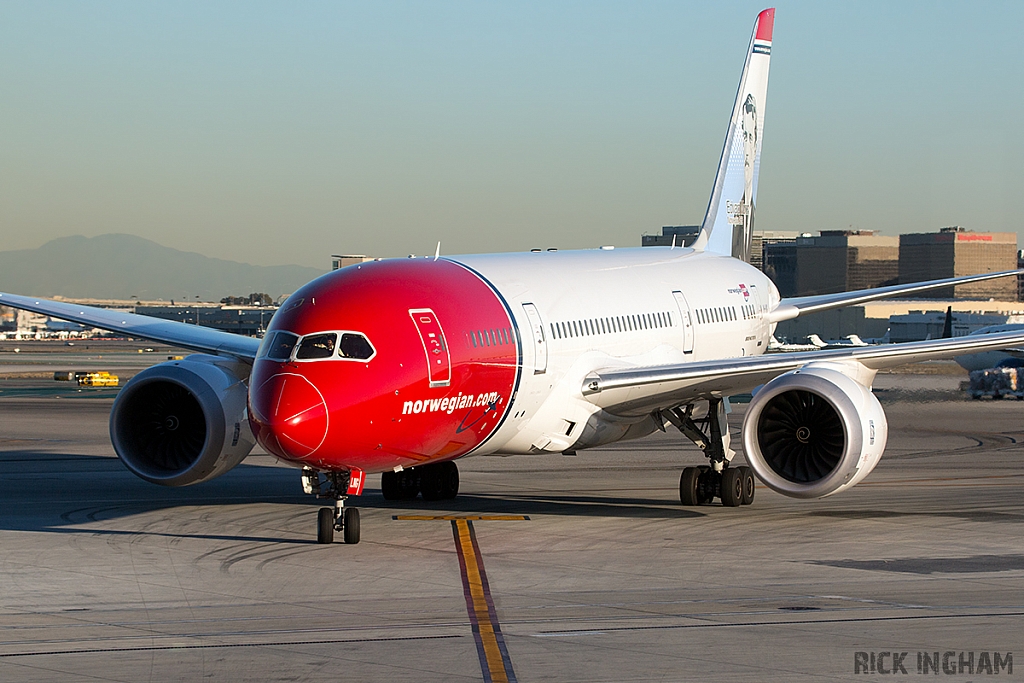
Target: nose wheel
<point>345,520</point>
<point>339,517</point>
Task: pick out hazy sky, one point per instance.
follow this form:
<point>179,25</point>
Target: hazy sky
<point>282,132</point>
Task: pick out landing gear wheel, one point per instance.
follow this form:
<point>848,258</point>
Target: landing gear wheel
<point>408,484</point>
<point>449,480</point>
<point>689,486</point>
<point>706,485</point>
<point>748,485</point>
<point>431,482</point>
<point>732,487</point>
<point>389,486</point>
<point>350,525</point>
<point>325,525</point>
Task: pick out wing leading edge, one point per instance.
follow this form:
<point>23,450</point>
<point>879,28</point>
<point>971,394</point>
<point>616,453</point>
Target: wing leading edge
<point>636,391</point>
<point>192,337</point>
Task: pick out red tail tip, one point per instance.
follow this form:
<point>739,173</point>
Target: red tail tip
<point>765,24</point>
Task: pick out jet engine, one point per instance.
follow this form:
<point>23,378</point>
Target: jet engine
<point>183,422</point>
<point>813,432</point>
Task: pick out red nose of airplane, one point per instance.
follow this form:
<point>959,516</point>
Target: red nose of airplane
<point>290,416</point>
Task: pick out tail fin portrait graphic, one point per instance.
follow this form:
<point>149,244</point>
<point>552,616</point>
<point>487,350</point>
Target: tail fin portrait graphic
<point>728,225</point>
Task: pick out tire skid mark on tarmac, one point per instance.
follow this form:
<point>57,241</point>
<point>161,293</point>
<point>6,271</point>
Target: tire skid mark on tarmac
<point>210,646</point>
<point>239,552</point>
<point>984,442</point>
<point>780,622</point>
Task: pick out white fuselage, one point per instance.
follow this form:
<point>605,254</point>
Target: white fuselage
<point>582,311</point>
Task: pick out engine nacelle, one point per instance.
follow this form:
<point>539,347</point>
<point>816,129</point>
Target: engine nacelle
<point>183,422</point>
<point>813,432</point>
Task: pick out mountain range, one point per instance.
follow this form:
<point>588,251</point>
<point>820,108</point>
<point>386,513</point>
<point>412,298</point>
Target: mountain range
<point>118,266</point>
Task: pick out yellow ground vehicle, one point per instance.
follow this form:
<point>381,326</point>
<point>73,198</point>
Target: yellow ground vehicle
<point>98,379</point>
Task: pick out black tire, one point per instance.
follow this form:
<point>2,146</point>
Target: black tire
<point>325,525</point>
<point>706,489</point>
<point>449,480</point>
<point>408,484</point>
<point>389,487</point>
<point>748,485</point>
<point>351,525</point>
<point>431,482</point>
<point>689,486</point>
<point>732,487</point>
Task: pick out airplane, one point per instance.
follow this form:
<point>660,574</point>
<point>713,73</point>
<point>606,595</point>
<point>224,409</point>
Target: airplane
<point>848,340</point>
<point>776,346</point>
<point>815,343</point>
<point>402,366</point>
<point>995,358</point>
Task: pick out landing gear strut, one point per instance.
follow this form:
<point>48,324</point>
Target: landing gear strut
<point>339,517</point>
<point>701,485</point>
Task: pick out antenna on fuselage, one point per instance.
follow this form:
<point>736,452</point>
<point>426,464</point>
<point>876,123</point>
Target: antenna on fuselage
<point>437,252</point>
<point>673,241</point>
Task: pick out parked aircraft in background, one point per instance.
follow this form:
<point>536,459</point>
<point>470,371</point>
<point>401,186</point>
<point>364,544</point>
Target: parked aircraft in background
<point>846,342</point>
<point>774,345</point>
<point>402,366</point>
<point>991,359</point>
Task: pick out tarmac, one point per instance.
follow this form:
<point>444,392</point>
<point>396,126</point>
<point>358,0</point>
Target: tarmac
<point>545,568</point>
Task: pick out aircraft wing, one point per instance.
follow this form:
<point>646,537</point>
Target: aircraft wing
<point>192,337</point>
<point>797,306</point>
<point>637,391</point>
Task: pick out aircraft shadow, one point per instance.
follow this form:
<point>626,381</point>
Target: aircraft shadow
<point>59,492</point>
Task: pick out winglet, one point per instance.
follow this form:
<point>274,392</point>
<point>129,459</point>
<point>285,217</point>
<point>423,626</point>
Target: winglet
<point>729,222</point>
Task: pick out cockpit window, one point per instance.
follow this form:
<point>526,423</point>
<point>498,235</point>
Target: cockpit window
<point>317,346</point>
<point>279,346</point>
<point>355,346</point>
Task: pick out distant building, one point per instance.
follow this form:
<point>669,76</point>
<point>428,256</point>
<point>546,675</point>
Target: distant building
<point>250,321</point>
<point>835,261</point>
<point>955,251</point>
<point>762,238</point>
<point>918,326</point>
<point>343,260</point>
<point>684,236</point>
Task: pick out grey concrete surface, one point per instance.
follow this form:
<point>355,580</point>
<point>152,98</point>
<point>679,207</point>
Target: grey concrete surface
<point>106,577</point>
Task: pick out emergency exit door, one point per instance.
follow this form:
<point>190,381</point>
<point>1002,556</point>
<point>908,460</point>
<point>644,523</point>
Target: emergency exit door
<point>439,361</point>
<point>540,346</point>
<point>684,316</point>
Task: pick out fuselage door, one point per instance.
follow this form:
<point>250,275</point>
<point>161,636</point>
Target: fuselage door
<point>684,316</point>
<point>439,361</point>
<point>540,346</point>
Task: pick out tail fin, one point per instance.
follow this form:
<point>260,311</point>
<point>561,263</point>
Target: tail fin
<point>947,325</point>
<point>729,222</point>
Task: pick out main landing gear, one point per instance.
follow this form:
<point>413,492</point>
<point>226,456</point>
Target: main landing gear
<point>701,485</point>
<point>339,517</point>
<point>437,481</point>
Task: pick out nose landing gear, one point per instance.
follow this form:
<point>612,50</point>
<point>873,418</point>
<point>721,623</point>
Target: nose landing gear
<point>337,486</point>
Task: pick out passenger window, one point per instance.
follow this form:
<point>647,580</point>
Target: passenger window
<point>355,346</point>
<point>317,346</point>
<point>280,346</point>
